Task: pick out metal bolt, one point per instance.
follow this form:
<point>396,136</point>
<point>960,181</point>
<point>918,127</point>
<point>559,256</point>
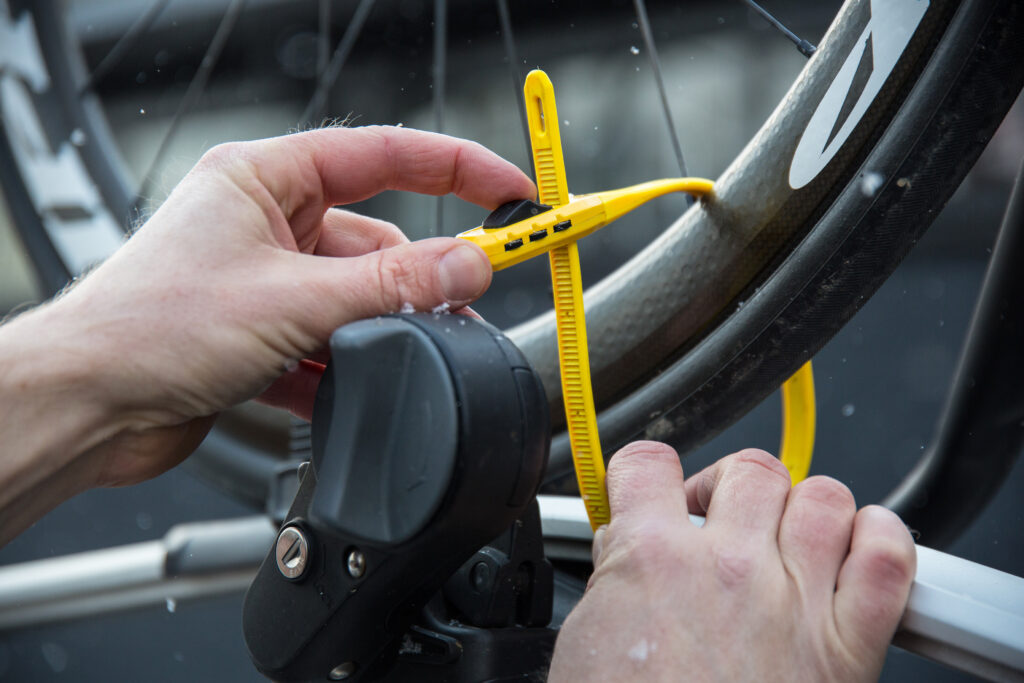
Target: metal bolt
<point>292,553</point>
<point>342,671</point>
<point>356,563</point>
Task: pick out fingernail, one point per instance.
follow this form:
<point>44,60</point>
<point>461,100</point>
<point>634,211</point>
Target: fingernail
<point>464,273</point>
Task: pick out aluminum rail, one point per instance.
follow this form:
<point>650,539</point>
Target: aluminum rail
<point>960,613</point>
<point>192,561</point>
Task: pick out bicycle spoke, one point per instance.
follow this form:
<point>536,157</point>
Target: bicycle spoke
<point>330,75</point>
<point>516,73</point>
<point>124,45</point>
<point>805,48</point>
<point>440,66</point>
<point>195,90</point>
<point>652,56</point>
<point>323,45</point>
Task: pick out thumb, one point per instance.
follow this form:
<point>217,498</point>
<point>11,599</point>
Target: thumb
<point>423,274</point>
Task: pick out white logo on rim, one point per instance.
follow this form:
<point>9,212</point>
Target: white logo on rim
<point>892,24</point>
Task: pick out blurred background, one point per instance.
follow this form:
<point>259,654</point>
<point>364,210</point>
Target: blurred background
<point>881,382</point>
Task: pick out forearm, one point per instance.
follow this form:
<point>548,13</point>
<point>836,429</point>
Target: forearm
<point>50,416</point>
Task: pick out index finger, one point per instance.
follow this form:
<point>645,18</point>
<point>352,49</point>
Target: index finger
<point>356,163</point>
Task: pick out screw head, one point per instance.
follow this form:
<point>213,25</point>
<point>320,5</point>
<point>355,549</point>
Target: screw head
<point>342,671</point>
<point>356,563</point>
<point>292,553</point>
<point>480,577</point>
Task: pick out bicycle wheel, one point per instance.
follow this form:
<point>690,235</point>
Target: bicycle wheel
<point>869,142</point>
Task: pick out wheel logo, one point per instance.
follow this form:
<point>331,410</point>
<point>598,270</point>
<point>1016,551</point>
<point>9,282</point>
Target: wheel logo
<point>888,32</point>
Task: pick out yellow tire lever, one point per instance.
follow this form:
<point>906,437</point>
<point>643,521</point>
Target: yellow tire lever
<point>554,226</point>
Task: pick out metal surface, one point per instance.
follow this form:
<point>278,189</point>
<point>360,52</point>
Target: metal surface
<point>342,671</point>
<point>981,431</point>
<point>292,553</point>
<point>959,613</point>
<point>133,576</point>
<point>356,564</point>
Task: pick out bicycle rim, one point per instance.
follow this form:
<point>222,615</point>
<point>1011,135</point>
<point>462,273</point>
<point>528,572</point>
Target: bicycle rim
<point>735,295</point>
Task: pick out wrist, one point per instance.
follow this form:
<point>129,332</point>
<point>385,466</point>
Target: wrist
<point>51,410</point>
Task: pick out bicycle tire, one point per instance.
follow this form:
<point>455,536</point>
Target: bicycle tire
<point>803,260</point>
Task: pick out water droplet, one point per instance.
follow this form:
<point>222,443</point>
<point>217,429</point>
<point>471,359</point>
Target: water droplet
<point>634,50</point>
<point>142,111</point>
<point>144,521</point>
<point>400,124</point>
<point>55,655</point>
<point>566,122</point>
<point>848,410</point>
<point>942,323</point>
<point>903,182</point>
<point>172,605</point>
<point>870,183</point>
<point>179,657</point>
<point>77,137</point>
<point>721,20</point>
<point>291,365</point>
<point>636,25</point>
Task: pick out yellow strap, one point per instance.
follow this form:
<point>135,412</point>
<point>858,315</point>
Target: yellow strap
<point>574,362</point>
<point>798,418</point>
<point>798,407</point>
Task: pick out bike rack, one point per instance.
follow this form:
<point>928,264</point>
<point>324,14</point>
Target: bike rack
<point>960,613</point>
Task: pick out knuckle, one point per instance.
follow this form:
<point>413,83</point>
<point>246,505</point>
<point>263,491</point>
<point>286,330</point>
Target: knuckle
<point>826,491</point>
<point>221,155</point>
<point>734,566</point>
<point>889,564</point>
<point>398,280</point>
<point>759,463</point>
<point>648,549</point>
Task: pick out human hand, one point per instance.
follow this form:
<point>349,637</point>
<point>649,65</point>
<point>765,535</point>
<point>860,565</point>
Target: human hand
<point>781,583</point>
<point>244,271</point>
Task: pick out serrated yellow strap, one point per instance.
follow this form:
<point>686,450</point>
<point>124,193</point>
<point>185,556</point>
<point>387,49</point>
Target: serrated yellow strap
<point>574,362</point>
<point>798,420</point>
<point>556,231</point>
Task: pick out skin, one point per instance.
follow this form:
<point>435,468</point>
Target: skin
<point>230,291</point>
<point>244,270</point>
<point>781,583</point>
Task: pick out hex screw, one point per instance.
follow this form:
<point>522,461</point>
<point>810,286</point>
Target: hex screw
<point>292,553</point>
<point>356,563</point>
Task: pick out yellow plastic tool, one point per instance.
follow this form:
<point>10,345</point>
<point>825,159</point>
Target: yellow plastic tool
<point>798,420</point>
<point>574,361</point>
<point>555,227</point>
<point>508,245</point>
